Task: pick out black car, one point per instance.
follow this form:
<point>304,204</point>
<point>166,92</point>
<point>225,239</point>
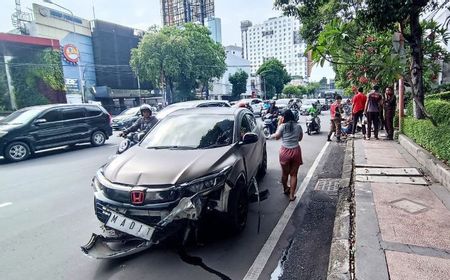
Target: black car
<point>193,161</point>
<point>126,118</point>
<point>41,127</point>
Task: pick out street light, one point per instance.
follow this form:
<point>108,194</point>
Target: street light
<point>79,55</point>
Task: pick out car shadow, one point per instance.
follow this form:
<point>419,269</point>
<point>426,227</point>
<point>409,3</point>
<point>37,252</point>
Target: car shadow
<point>56,152</point>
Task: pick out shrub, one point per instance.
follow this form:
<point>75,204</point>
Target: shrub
<point>440,110</point>
<point>441,96</point>
<point>434,139</point>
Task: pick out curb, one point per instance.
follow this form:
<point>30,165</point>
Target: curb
<point>339,262</point>
<point>437,168</point>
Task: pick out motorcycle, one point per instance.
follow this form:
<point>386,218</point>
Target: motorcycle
<point>130,140</point>
<point>270,124</point>
<point>312,124</point>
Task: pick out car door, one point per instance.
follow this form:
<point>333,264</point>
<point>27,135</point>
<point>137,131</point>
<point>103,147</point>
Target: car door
<point>76,127</point>
<point>249,151</point>
<point>50,132</point>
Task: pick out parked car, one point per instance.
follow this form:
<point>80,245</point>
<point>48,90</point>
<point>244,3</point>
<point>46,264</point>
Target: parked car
<point>41,127</point>
<point>193,161</point>
<point>255,103</point>
<point>126,118</point>
<point>191,104</point>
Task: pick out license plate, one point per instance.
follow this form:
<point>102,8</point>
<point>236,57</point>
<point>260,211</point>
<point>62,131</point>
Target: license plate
<point>130,226</point>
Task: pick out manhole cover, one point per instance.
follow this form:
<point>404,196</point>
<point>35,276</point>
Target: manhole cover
<point>389,171</point>
<point>392,179</point>
<point>328,185</point>
<point>409,206</point>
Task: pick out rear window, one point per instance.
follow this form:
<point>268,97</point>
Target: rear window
<point>93,111</point>
<point>73,113</point>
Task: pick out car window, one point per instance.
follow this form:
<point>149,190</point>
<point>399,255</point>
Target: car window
<point>245,126</point>
<point>21,116</point>
<point>53,115</point>
<point>93,111</point>
<point>191,132</point>
<point>251,121</point>
<point>73,113</point>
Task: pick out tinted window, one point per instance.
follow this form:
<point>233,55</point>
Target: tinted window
<point>73,113</point>
<point>192,132</point>
<point>52,115</point>
<point>245,126</point>
<point>93,111</point>
<point>21,116</point>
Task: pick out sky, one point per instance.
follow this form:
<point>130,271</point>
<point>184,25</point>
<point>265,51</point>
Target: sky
<point>144,13</point>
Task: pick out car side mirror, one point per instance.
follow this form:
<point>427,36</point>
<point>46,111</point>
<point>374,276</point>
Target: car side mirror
<point>249,138</point>
<point>40,121</point>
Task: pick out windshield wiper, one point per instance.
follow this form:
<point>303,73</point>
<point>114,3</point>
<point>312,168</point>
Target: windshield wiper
<point>214,146</point>
<point>171,147</point>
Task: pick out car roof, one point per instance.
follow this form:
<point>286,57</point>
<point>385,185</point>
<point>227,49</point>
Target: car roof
<point>194,103</point>
<point>48,106</point>
<point>209,111</point>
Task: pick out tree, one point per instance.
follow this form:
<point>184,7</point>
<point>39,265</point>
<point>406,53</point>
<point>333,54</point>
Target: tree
<point>178,59</point>
<point>291,91</point>
<point>358,42</point>
<point>239,82</point>
<point>274,76</point>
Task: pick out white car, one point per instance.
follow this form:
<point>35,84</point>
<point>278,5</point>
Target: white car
<point>255,103</point>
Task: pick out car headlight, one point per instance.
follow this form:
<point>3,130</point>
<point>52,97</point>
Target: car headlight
<point>206,183</point>
<point>98,183</point>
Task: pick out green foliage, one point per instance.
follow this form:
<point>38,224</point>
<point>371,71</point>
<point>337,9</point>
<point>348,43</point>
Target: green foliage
<point>4,93</point>
<point>441,95</point>
<point>179,59</point>
<point>440,110</point>
<point>274,75</point>
<point>291,91</point>
<point>239,82</point>
<point>434,139</point>
<point>51,71</point>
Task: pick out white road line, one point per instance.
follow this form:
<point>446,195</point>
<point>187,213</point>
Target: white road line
<point>5,204</point>
<point>261,260</point>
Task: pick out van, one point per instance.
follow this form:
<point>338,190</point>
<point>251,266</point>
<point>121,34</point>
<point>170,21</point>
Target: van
<point>48,126</point>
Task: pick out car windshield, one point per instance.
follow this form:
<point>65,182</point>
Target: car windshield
<point>21,116</point>
<point>130,112</point>
<point>191,132</point>
<point>172,108</point>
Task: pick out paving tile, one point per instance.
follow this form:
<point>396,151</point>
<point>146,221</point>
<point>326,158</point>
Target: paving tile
<point>409,266</point>
<point>409,223</point>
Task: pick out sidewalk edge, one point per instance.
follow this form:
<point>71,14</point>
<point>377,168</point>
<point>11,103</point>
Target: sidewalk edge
<point>437,168</point>
<point>339,261</point>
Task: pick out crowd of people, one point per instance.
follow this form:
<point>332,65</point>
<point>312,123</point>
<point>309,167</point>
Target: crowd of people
<point>369,113</point>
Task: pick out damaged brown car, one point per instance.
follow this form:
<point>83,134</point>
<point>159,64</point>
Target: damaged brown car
<point>192,162</point>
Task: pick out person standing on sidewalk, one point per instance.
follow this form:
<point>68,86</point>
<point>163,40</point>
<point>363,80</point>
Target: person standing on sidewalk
<point>336,112</point>
<point>372,111</point>
<point>359,102</point>
<point>390,103</point>
<point>290,152</point>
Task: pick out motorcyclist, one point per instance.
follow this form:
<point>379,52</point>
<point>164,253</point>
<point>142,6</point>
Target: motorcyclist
<point>313,111</point>
<point>144,123</point>
<point>274,111</point>
<point>294,105</point>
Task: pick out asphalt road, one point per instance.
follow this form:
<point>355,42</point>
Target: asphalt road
<point>46,213</point>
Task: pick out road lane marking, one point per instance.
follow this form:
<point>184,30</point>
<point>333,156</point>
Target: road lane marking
<point>5,204</point>
<point>261,260</point>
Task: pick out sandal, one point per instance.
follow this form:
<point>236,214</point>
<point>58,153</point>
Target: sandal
<point>292,198</point>
<point>287,191</point>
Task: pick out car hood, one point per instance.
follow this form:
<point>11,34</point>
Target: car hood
<point>141,166</point>
<point>8,127</point>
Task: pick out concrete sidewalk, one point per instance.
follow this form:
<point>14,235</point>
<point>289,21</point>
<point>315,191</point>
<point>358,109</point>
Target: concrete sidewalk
<point>402,216</point>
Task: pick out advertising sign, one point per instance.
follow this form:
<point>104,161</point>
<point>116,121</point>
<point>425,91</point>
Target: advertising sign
<point>71,53</point>
<point>71,85</point>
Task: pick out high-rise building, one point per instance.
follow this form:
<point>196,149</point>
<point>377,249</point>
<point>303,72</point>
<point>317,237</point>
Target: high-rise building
<point>215,27</point>
<point>177,12</point>
<point>275,38</point>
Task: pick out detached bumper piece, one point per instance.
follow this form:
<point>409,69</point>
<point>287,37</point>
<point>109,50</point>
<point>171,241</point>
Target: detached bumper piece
<point>100,247</point>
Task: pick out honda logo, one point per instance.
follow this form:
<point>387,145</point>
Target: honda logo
<point>137,197</point>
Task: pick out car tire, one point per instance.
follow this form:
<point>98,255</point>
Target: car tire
<point>263,167</point>
<point>17,151</point>
<point>98,138</point>
<point>266,132</point>
<point>237,209</point>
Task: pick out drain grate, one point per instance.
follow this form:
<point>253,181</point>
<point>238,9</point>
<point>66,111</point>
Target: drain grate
<point>328,185</point>
<point>410,206</point>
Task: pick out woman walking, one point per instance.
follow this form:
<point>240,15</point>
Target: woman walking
<point>290,153</point>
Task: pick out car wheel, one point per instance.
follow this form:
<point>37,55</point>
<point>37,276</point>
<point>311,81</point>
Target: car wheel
<point>263,167</point>
<point>17,151</point>
<point>237,209</point>
<point>266,132</point>
<point>98,138</point>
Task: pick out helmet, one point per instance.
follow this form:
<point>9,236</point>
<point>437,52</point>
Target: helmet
<point>145,107</point>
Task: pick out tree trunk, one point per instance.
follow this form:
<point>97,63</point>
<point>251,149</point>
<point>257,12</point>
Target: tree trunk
<point>417,62</point>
